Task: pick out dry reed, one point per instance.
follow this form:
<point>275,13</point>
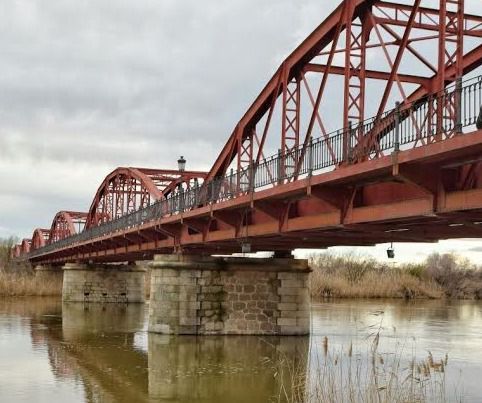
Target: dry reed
<point>27,284</point>
<point>330,375</point>
<point>351,276</point>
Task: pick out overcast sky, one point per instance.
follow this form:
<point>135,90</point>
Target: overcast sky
<point>86,86</point>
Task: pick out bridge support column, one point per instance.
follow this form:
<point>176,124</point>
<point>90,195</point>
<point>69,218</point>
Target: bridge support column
<point>196,295</point>
<point>48,273</point>
<point>107,283</point>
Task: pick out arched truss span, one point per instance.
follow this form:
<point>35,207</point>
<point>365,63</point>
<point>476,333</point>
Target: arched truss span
<point>25,246</point>
<point>40,238</point>
<point>17,251</point>
<point>126,190</point>
<point>365,56</point>
<point>65,224</point>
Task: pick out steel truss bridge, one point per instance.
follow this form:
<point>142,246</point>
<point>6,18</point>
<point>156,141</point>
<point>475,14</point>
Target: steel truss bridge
<point>287,179</point>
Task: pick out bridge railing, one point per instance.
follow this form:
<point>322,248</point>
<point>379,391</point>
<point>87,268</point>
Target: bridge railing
<point>430,119</point>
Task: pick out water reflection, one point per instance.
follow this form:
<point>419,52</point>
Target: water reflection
<point>102,353</point>
<point>219,369</point>
<point>106,351</point>
<point>93,345</point>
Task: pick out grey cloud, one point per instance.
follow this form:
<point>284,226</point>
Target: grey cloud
<point>88,86</point>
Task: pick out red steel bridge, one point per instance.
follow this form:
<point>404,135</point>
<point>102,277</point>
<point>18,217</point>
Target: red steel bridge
<point>366,133</point>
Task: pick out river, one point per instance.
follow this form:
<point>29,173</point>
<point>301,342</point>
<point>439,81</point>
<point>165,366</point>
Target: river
<point>51,352</point>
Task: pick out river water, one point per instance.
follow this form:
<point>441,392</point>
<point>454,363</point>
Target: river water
<point>51,352</point>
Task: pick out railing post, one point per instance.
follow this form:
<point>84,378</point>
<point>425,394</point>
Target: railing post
<point>280,180</point>
<point>397,127</point>
<point>252,173</point>
<point>458,105</point>
<point>351,133</point>
<point>196,193</point>
<point>310,157</point>
<point>343,142</point>
<point>180,197</point>
<point>209,191</point>
<point>346,142</point>
<point>231,185</point>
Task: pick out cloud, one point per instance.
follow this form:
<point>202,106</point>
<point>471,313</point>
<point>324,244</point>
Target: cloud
<point>89,86</point>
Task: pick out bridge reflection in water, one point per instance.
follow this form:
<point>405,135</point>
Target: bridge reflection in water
<point>107,351</point>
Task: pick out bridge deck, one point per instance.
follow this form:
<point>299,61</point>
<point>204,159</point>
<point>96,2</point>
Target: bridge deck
<point>404,204</point>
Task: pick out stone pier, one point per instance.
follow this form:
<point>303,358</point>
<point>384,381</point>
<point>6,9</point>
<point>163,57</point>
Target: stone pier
<point>106,283</point>
<point>198,295</point>
<point>48,273</point>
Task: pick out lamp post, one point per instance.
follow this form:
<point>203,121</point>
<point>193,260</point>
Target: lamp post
<point>181,164</point>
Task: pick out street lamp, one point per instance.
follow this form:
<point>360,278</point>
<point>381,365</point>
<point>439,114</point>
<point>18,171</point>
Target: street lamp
<point>181,164</point>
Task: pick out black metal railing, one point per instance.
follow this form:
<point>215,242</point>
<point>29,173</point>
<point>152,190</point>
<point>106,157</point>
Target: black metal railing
<point>433,118</point>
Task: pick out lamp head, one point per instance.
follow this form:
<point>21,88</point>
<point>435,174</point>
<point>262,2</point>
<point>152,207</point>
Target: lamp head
<point>181,164</point>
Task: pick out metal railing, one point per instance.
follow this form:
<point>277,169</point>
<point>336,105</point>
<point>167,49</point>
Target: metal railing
<point>432,118</point>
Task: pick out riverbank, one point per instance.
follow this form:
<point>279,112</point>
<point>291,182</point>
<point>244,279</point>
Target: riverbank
<point>334,276</point>
<point>355,276</point>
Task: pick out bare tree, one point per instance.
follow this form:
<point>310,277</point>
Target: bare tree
<point>6,245</point>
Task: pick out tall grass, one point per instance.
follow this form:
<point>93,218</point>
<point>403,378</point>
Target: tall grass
<point>357,276</point>
<point>344,376</point>
<point>27,284</point>
<point>364,373</point>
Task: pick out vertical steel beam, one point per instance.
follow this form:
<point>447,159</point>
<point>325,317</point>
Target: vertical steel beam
<point>450,53</point>
<point>355,66</point>
<point>245,158</point>
<point>290,125</point>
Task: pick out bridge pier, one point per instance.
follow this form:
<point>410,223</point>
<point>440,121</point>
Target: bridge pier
<point>106,283</point>
<point>48,273</point>
<point>207,295</point>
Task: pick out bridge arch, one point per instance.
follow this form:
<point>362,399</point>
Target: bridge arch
<point>126,190</point>
<point>40,238</point>
<point>25,246</point>
<point>65,224</point>
<point>17,251</point>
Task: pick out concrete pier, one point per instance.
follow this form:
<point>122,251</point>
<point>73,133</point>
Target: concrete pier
<point>105,283</point>
<point>207,295</point>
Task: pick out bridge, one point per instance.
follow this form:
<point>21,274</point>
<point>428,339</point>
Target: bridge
<point>368,132</point>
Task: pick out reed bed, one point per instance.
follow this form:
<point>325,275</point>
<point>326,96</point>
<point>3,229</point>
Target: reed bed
<point>27,284</point>
<point>375,378</point>
<point>374,285</point>
<point>364,374</point>
<point>356,276</point>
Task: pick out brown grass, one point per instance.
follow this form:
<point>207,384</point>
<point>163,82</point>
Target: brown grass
<point>352,276</point>
<point>374,285</point>
<point>27,284</point>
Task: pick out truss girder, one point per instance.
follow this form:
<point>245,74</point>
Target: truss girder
<point>355,27</point>
<point>126,190</point>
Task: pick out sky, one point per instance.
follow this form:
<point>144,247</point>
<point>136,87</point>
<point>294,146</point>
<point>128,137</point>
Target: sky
<point>89,86</point>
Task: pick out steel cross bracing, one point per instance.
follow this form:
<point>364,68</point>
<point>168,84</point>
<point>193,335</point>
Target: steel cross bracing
<point>408,173</point>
